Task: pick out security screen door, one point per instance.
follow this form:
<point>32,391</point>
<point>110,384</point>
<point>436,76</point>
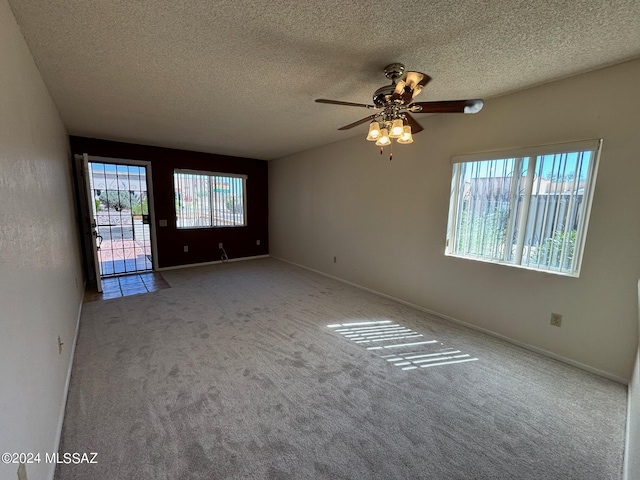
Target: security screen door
<point>119,199</point>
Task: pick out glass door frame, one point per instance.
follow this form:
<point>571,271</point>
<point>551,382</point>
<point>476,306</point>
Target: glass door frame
<point>93,226</point>
<point>150,198</point>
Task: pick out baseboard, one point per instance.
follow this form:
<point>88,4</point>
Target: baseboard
<point>491,333</point>
<point>215,262</point>
<point>65,394</point>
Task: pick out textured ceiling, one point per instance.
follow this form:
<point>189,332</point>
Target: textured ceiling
<point>239,77</point>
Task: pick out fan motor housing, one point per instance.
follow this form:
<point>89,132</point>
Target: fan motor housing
<point>393,72</point>
<point>382,96</point>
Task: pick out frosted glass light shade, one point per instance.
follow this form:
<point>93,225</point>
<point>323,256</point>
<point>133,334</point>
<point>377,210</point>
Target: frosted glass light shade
<point>374,131</point>
<point>383,139</point>
<point>406,136</point>
<point>396,128</point>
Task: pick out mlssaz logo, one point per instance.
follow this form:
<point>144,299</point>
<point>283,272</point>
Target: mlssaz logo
<point>72,458</point>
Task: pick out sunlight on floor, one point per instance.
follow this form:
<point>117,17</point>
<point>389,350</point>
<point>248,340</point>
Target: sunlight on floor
<point>407,355</point>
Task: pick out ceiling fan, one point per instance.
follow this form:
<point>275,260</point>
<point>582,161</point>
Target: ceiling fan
<point>394,104</point>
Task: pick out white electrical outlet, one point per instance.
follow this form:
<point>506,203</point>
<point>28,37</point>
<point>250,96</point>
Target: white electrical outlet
<point>556,319</point>
<point>257,242</point>
<point>186,248</point>
<point>220,245</point>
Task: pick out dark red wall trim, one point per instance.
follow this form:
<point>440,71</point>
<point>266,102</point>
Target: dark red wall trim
<point>203,243</point>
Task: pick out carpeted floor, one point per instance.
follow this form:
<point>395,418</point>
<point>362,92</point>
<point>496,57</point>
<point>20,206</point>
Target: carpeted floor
<point>262,370</point>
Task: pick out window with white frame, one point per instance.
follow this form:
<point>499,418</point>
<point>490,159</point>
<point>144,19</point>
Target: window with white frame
<point>204,199</point>
<point>528,207</point>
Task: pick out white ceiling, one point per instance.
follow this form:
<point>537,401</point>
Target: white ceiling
<point>239,77</point>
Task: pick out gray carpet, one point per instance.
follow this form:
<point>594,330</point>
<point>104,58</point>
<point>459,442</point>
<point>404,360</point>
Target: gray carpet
<point>262,370</point>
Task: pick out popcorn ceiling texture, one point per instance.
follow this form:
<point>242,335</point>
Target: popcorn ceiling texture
<point>239,77</point>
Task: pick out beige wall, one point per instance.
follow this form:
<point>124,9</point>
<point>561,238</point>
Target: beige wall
<point>385,221</point>
<point>40,276</point>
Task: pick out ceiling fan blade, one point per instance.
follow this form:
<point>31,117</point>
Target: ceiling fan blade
<point>449,106</point>
<point>359,122</point>
<point>410,85</point>
<point>348,104</point>
<point>415,126</point>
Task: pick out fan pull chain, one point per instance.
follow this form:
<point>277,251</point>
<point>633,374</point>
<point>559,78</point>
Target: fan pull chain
<point>390,154</point>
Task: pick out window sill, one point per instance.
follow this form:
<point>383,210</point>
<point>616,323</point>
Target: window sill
<point>511,265</point>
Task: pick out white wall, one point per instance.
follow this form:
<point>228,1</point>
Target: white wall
<point>386,220</point>
<point>40,273</point>
<point>632,453</point>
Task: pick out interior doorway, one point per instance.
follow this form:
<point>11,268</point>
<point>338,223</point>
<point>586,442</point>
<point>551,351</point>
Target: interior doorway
<point>119,198</point>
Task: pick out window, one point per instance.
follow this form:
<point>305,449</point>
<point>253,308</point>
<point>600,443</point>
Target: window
<point>528,207</point>
<point>209,199</point>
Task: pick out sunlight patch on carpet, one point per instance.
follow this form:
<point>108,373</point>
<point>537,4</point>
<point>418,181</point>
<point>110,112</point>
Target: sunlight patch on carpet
<point>396,344</point>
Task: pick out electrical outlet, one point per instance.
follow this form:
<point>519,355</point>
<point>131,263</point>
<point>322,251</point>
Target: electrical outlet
<point>220,245</point>
<point>186,248</point>
<point>257,242</point>
<point>556,319</point>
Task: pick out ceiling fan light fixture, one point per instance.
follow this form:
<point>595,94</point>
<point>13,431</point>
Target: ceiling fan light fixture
<point>383,139</point>
<point>374,131</point>
<point>394,107</point>
<point>406,136</point>
<point>396,128</point>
